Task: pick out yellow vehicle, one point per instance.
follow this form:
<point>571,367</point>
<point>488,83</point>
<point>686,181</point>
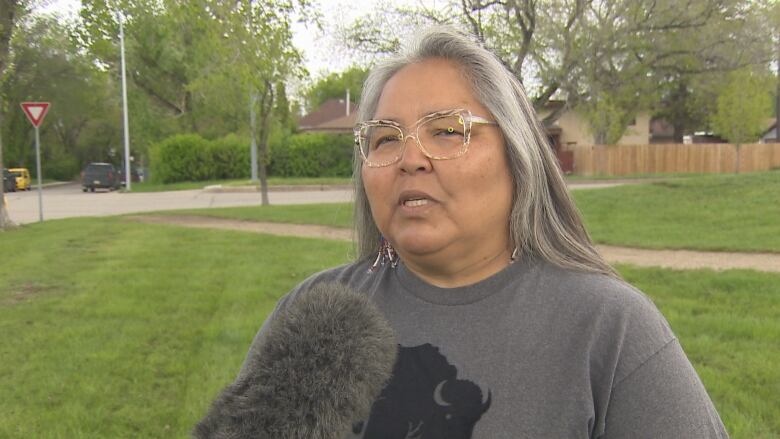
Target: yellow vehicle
<point>23,181</point>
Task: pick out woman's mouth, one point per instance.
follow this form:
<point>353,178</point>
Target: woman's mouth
<point>416,202</point>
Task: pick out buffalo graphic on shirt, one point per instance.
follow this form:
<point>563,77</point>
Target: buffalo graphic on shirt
<point>424,400</point>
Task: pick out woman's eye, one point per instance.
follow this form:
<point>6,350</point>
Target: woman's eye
<point>449,131</point>
<point>384,141</point>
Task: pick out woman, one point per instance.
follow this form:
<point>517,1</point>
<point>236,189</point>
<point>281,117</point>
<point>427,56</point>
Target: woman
<point>510,324</point>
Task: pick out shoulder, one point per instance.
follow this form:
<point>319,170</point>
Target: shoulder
<point>594,293</point>
<point>617,316</point>
<point>353,274</point>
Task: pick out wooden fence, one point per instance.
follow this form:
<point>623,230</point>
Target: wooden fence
<point>674,158</point>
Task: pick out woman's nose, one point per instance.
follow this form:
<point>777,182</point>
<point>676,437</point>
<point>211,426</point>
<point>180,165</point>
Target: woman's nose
<point>412,157</point>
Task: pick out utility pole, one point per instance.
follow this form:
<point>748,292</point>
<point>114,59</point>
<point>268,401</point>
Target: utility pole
<point>253,135</point>
<point>124,103</point>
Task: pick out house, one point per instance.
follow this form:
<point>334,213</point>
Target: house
<point>771,134</point>
<point>333,116</point>
<point>573,129</point>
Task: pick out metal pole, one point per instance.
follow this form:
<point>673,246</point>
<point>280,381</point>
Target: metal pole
<point>38,169</point>
<point>124,104</point>
<point>253,130</point>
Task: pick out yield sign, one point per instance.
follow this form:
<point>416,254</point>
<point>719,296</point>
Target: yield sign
<point>35,111</point>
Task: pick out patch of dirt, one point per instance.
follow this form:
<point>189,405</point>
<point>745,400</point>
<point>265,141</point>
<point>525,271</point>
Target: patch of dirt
<point>284,229</point>
<point>24,293</point>
<point>688,259</point>
<point>674,259</point>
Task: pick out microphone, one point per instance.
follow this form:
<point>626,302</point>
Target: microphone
<point>325,358</point>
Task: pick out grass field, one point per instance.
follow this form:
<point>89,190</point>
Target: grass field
<point>273,181</point>
<point>716,213</point>
<point>114,329</point>
<point>333,214</point>
<point>118,330</point>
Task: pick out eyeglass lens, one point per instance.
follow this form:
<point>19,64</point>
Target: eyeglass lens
<point>441,137</point>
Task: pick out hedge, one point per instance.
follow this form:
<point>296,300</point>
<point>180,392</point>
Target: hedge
<point>189,157</point>
<point>180,158</point>
<point>313,155</point>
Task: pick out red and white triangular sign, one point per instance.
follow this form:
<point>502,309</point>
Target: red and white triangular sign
<point>35,111</point>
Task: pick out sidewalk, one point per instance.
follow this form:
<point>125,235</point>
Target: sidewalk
<point>673,259</point>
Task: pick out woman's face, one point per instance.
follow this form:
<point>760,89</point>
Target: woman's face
<point>445,215</point>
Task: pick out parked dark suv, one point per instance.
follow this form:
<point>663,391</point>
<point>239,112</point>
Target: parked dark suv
<point>99,176</point>
<point>9,181</point>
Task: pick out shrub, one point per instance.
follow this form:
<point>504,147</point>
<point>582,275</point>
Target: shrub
<point>62,168</point>
<point>183,157</point>
<point>189,157</point>
<point>230,157</point>
<point>312,155</point>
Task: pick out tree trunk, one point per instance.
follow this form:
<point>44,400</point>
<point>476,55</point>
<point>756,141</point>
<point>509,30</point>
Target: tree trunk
<point>7,21</point>
<point>679,132</point>
<point>5,220</point>
<point>266,107</point>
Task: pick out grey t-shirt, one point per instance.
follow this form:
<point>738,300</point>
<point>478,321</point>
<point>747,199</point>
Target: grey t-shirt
<point>534,351</point>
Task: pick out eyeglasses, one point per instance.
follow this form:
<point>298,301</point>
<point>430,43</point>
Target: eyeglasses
<point>443,135</point>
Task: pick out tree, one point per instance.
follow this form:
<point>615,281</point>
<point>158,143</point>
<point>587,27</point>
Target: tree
<point>573,50</point>
<point>163,49</point>
<point>84,123</point>
<point>743,107</point>
<point>203,61</point>
<point>335,85</point>
<point>258,55</point>
<point>9,12</point>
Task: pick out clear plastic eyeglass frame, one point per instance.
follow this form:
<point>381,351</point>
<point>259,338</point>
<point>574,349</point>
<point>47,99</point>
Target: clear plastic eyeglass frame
<point>466,117</point>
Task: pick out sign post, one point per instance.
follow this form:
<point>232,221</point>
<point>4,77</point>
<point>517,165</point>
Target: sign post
<point>35,112</point>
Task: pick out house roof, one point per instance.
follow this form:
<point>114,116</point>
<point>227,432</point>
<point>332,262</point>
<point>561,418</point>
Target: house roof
<point>771,123</point>
<point>771,130</point>
<point>330,110</point>
<point>342,123</point>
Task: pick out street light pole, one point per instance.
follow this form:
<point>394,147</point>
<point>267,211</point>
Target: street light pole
<point>124,103</point>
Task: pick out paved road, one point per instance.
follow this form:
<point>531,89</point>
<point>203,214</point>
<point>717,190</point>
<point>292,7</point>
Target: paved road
<point>69,201</point>
<point>66,201</point>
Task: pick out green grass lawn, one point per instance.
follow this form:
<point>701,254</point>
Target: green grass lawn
<point>328,214</point>
<point>114,329</point>
<point>273,181</point>
<point>716,213</point>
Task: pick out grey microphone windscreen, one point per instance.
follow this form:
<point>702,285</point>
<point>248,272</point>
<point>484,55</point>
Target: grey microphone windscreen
<point>323,362</point>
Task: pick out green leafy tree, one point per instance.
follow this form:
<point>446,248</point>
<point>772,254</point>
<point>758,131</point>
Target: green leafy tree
<point>83,123</point>
<point>744,106</point>
<point>335,85</point>
<point>9,14</point>
<point>204,63</point>
<point>258,55</point>
<point>573,50</point>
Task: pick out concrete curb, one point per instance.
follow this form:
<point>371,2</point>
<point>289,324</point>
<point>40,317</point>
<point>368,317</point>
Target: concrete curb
<point>282,188</point>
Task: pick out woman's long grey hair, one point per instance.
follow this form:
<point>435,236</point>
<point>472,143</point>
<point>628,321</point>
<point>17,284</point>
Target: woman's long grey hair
<point>544,222</point>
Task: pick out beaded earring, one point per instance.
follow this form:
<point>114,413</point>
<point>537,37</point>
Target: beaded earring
<point>386,254</point>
